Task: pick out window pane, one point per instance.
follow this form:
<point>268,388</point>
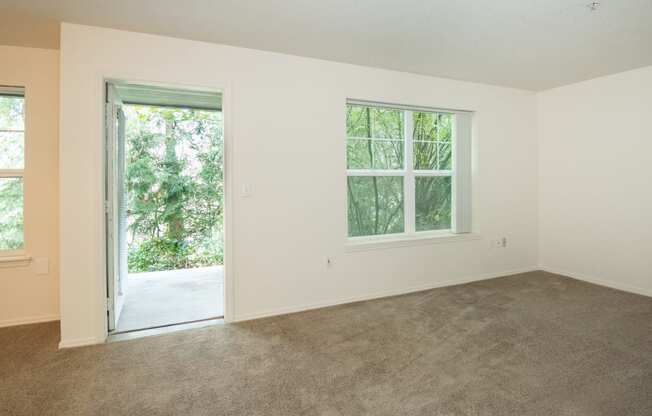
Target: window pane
<point>377,122</point>
<point>12,150</point>
<point>433,203</point>
<point>432,141</point>
<point>445,154</point>
<point>374,154</point>
<point>12,113</point>
<point>11,220</point>
<point>385,127</point>
<point>375,205</point>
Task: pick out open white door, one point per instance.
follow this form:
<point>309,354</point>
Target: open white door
<point>115,202</point>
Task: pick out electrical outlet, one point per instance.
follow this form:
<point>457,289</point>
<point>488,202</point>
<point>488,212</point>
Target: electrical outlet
<point>246,191</point>
<point>329,261</point>
<point>500,242</point>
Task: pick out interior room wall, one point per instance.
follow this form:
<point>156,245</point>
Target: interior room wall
<point>595,180</point>
<point>27,294</point>
<point>286,139</point>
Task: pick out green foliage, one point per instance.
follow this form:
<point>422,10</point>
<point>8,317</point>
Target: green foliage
<point>432,141</point>
<point>11,220</point>
<point>433,203</point>
<point>376,141</point>
<point>174,182</point>
<point>11,157</point>
<point>12,114</point>
<point>375,138</point>
<point>432,151</point>
<point>375,205</point>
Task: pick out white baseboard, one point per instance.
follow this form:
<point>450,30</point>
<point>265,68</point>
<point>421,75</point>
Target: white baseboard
<point>28,320</point>
<point>81,342</point>
<point>376,295</point>
<point>613,285</point>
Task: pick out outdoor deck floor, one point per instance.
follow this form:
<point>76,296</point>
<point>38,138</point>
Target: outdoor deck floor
<point>162,298</point>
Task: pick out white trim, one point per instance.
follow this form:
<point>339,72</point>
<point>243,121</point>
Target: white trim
<point>228,145</point>
<point>432,141</point>
<point>12,173</point>
<point>374,139</point>
<point>80,342</point>
<point>29,320</point>
<point>394,106</point>
<point>460,180</point>
<point>14,259</point>
<point>12,90</point>
<point>432,172</point>
<point>101,323</point>
<point>600,282</point>
<point>375,172</point>
<point>409,187</point>
<point>388,241</point>
<point>110,201</point>
<point>378,295</point>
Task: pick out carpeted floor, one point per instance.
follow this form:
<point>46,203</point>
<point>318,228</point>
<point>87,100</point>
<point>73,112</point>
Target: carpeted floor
<point>531,344</point>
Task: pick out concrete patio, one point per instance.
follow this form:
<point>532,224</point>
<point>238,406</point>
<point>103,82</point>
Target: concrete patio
<point>170,297</point>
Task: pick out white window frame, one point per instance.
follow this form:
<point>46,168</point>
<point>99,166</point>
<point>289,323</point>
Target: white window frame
<point>18,256</point>
<point>460,174</point>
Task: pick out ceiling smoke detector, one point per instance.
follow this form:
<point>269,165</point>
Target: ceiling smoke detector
<point>593,6</point>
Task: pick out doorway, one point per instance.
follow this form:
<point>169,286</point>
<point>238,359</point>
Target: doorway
<point>164,206</point>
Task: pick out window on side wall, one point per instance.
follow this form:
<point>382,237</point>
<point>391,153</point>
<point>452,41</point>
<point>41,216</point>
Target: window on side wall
<point>12,165</point>
<point>408,171</point>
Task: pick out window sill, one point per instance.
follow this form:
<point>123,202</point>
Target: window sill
<point>15,260</point>
<point>357,244</point>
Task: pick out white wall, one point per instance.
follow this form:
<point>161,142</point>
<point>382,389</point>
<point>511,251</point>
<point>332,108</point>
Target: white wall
<point>596,180</point>
<point>25,296</point>
<point>286,137</point>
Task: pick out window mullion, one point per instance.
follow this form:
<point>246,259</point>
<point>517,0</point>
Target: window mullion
<point>374,172</point>
<point>408,181</point>
<point>12,173</point>
<point>433,173</point>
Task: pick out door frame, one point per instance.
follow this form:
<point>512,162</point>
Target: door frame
<point>114,171</point>
<point>228,171</point>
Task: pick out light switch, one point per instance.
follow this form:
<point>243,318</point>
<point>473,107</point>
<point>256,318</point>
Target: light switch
<point>246,191</point>
<point>41,265</point>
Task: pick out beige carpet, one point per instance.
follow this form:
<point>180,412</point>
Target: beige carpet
<point>532,344</point>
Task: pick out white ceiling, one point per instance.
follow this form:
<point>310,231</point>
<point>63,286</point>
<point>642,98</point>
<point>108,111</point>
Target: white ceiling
<point>530,44</point>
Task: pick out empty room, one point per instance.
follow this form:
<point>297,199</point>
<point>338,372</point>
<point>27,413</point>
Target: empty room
<point>325,208</point>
